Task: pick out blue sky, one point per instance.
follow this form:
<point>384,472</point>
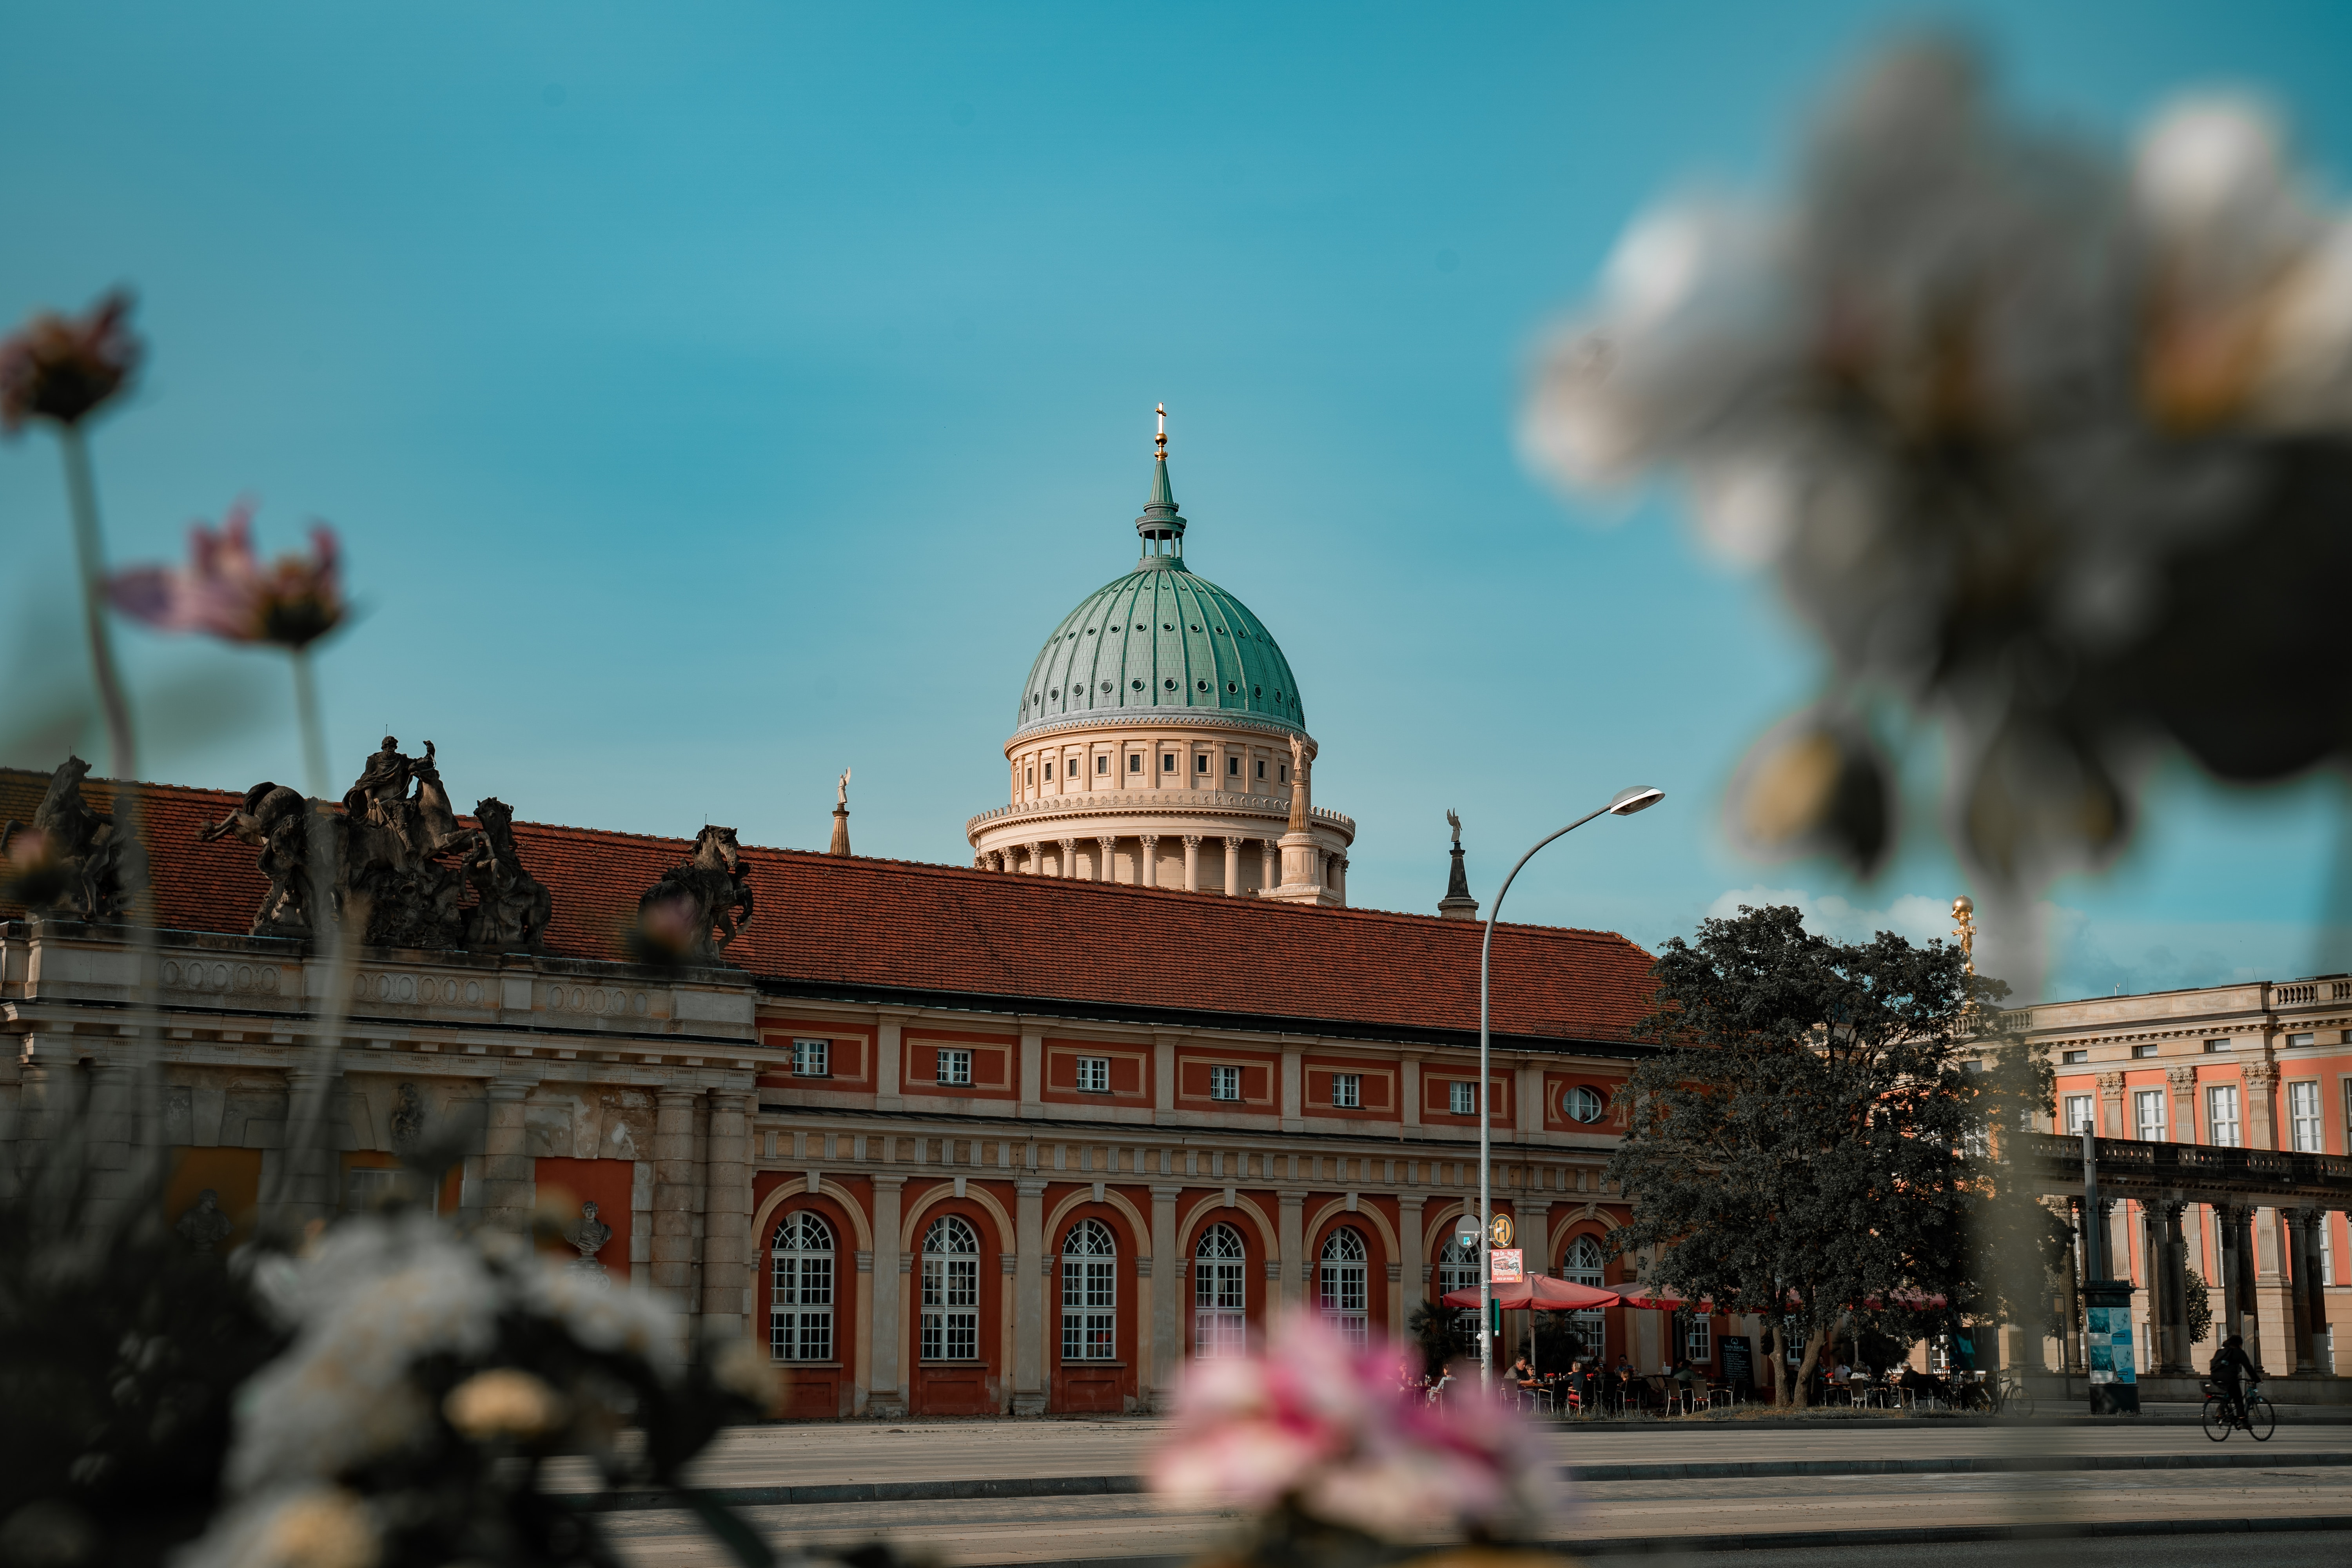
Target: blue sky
<point>710,397</point>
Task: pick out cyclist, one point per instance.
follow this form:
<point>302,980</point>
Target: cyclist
<point>2229,1363</point>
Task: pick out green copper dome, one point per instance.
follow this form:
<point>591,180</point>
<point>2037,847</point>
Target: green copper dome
<point>1161,640</point>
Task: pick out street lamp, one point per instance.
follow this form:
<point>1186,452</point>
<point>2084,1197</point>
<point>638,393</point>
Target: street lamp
<point>1626,802</point>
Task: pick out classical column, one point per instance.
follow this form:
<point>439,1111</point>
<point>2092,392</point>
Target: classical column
<point>672,1258</point>
<point>1192,862</point>
<point>1269,865</point>
<point>886,1396</point>
<point>1290,1234</point>
<point>2238,1313</point>
<point>1234,868</point>
<point>1036,867</point>
<point>2069,1300</point>
<point>1028,1297</point>
<point>2111,1105</point>
<point>1410,1282</point>
<point>2304,1295</point>
<point>1168,1292</point>
<point>2316,1303</point>
<point>507,1184</point>
<point>1106,859</point>
<point>1147,863</point>
<point>1340,875</point>
<point>1069,866</point>
<point>2183,1083</point>
<point>727,1218</point>
<point>2172,1349</point>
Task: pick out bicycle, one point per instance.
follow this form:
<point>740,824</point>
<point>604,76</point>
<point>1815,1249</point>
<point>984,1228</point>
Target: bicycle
<point>2009,1396</point>
<point>2249,1412</point>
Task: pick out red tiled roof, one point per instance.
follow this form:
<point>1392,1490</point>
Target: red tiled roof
<point>858,925</point>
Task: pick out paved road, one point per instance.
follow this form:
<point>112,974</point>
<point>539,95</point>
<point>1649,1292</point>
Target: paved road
<point>1609,1516</point>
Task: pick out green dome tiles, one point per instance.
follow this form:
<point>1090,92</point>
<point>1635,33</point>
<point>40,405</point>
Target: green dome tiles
<point>1157,641</point>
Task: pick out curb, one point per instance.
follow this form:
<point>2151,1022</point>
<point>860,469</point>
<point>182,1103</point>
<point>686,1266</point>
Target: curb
<point>1116,1486</point>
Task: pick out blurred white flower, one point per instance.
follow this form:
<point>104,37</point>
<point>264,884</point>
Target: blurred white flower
<point>306,1527</point>
<point>608,1317</point>
<point>503,1401</point>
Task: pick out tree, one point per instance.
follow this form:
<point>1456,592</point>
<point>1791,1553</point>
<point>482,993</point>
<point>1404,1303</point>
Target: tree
<point>1818,1132</point>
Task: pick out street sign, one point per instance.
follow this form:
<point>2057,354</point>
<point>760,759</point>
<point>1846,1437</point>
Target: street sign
<point>1505,1266</point>
<point>1502,1230</point>
<point>1465,1230</point>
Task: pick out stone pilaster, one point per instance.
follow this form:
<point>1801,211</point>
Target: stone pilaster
<point>1168,1287</point>
<point>1290,1234</point>
<point>727,1218</point>
<point>2262,1104</point>
<point>1028,1297</point>
<point>2182,1081</point>
<point>887,1392</point>
<point>1410,1245</point>
<point>2111,1104</point>
<point>673,1251</point>
<point>508,1187</point>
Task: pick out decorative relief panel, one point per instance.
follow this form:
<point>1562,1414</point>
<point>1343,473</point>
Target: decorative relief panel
<point>195,974</point>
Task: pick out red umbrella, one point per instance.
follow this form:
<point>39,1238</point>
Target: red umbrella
<point>1663,1302</point>
<point>1540,1291</point>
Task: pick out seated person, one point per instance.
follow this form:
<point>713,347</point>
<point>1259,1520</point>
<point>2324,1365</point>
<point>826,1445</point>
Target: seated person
<point>1522,1373</point>
<point>1841,1374</point>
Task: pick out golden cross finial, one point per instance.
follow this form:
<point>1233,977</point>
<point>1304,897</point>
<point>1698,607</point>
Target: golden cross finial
<point>1159,442</point>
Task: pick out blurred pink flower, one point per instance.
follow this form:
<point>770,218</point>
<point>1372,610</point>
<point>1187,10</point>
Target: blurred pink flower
<point>61,369</point>
<point>226,591</point>
<point>1321,1425</point>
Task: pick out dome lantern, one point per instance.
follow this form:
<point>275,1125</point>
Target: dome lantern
<point>1160,524</point>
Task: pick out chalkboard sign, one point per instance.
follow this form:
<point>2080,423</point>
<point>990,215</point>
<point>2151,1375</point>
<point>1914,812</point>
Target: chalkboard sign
<point>1739,1360</point>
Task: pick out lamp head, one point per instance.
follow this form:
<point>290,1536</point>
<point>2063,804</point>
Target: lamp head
<point>1641,797</point>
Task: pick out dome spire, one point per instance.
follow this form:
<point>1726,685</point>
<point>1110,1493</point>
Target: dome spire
<point>1160,522</point>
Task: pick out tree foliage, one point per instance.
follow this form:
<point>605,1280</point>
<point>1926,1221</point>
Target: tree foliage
<point>1819,1130</point>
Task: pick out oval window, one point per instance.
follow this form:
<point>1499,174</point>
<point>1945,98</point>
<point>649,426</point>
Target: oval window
<point>1583,1105</point>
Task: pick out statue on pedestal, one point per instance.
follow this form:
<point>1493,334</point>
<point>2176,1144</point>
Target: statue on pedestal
<point>589,1237</point>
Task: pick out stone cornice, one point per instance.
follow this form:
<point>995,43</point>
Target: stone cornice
<point>1168,803</point>
<point>1130,720</point>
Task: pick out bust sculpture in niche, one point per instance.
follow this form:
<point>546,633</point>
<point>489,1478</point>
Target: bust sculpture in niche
<point>589,1237</point>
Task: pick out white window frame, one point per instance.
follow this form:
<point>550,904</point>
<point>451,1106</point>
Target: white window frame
<point>1460,1098</point>
<point>2221,1115</point>
<point>1581,1264</point>
<point>1225,1083</point>
<point>800,1288</point>
<point>2148,1115</point>
<point>1346,1285</point>
<point>1220,1293</point>
<point>1458,1270</point>
<point>954,1066</point>
<point>951,1302</point>
<point>1347,1090</point>
<point>812,1059</point>
<point>2081,1111</point>
<point>1699,1337</point>
<point>2305,1135</point>
<point>1089,1294</point>
<point>1580,1099</point>
<point>1094,1075</point>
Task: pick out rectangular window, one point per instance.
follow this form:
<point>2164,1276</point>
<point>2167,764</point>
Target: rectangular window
<point>2143,1050</point>
<point>2072,1058</point>
<point>812,1059</point>
<point>2215,1047</point>
<point>1094,1075</point>
<point>1049,772</point>
<point>2292,1041</point>
<point>1200,763</point>
<point>1698,1337</point>
<point>955,1067</point>
<point>1225,1083</point>
<point>1032,775</point>
<point>1347,1090</point>
<point>1089,1300</point>
<point>2078,1114</point>
<point>1261,767</point>
<point>2148,1114</point>
<point>950,1307</point>
<point>2221,1115</point>
<point>1135,762</point>
<point>1285,770</point>
<point>1102,764</point>
<point>1167,762</point>
<point>1233,767</point>
<point>2303,1117</point>
<point>1462,1098</point>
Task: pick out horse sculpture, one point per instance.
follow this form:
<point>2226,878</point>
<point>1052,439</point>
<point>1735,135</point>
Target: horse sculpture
<point>512,912</point>
<point>696,908</point>
<point>79,864</point>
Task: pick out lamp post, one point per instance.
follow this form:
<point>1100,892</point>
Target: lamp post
<point>1641,797</point>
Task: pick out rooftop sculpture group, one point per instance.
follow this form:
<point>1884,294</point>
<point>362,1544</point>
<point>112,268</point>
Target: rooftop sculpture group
<point>73,862</point>
<point>396,856</point>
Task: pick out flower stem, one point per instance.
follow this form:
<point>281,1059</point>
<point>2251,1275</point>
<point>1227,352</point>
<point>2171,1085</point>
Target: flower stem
<point>306,712</point>
<point>82,496</point>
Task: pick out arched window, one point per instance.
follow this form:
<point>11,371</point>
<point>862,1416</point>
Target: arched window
<point>1220,1294</point>
<point>800,1304</point>
<point>1089,1292</point>
<point>950,1290</point>
<point>1580,1265</point>
<point>1458,1270</point>
<point>1347,1289</point>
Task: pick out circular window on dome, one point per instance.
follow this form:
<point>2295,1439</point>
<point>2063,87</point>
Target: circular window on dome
<point>1139,685</point>
<point>1196,628</point>
<point>1058,691</point>
<point>1090,631</point>
<point>1168,625</point>
<point>1106,686</point>
<point>1202,685</point>
<point>1170,683</point>
<point>1258,691</point>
